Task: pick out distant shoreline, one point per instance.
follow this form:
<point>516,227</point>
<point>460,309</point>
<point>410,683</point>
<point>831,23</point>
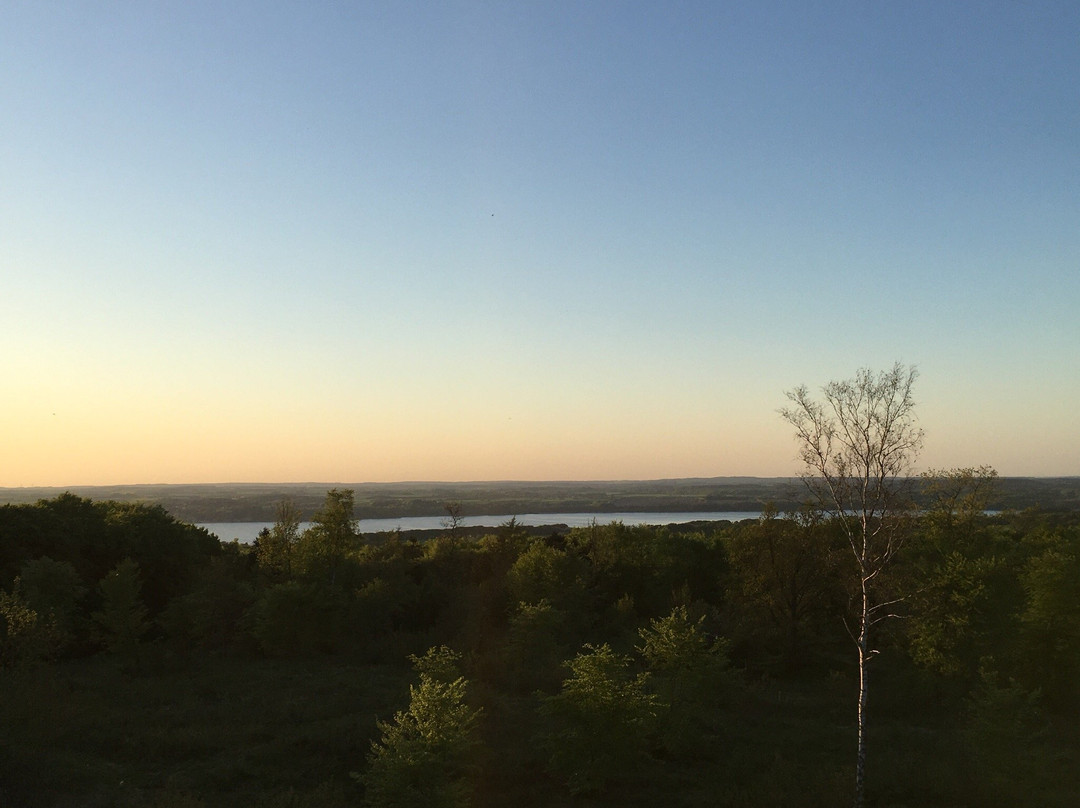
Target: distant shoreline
<point>246,532</point>
<point>257,502</point>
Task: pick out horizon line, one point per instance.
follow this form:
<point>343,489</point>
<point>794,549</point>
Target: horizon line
<point>513,481</point>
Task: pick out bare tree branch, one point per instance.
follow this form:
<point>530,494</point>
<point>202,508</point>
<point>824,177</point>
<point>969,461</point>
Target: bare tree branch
<point>858,447</point>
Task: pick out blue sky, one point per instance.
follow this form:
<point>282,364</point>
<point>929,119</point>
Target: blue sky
<point>478,240</point>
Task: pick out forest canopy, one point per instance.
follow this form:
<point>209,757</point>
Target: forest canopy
<point>618,664</point>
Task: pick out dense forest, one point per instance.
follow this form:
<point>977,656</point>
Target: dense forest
<point>145,663</point>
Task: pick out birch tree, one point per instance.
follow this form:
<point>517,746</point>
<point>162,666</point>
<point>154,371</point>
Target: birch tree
<point>858,444</point>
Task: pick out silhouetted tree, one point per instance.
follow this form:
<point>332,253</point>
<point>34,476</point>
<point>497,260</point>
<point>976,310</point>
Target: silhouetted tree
<point>786,581</point>
<point>275,551</point>
<point>960,610</point>
<point>53,589</point>
<point>324,545</point>
<point>1050,619</point>
<point>27,637</point>
<point>454,519</point>
<point>122,618</point>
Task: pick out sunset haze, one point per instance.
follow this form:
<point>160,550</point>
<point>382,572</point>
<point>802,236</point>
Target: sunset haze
<point>490,241</point>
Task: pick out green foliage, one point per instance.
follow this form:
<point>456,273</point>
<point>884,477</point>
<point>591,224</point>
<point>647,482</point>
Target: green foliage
<point>122,619</point>
<point>227,731</point>
<point>211,614</point>
<point>788,586</point>
<point>275,548</point>
<point>1000,594</point>
<point>957,498</point>
<point>424,754</point>
<point>321,550</point>
<point>93,537</point>
<point>27,637</point>
<point>377,603</point>
<point>548,573</point>
<point>677,647</point>
<point>690,672</point>
<point>1004,733</point>
<point>599,724</point>
<point>440,664</point>
<point>297,618</point>
<point>282,728</point>
<point>54,590</point>
<point>52,586</point>
<point>946,629</point>
<point>169,554</point>
<point>647,564</point>
<point>1050,620</point>
<point>511,535</point>
<point>960,576</point>
<point>534,652</point>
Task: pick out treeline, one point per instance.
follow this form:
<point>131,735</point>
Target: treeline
<point>256,502</point>
<point>606,665</point>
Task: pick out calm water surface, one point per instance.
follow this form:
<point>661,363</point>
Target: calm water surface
<point>247,531</point>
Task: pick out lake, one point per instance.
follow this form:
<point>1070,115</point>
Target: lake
<point>246,532</point>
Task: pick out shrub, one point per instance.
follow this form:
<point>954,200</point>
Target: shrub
<point>423,757</point>
<point>122,618</point>
<point>690,671</point>
<point>599,724</point>
<point>26,637</point>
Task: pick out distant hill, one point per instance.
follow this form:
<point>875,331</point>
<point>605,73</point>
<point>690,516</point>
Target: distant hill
<point>255,502</point>
<point>242,502</point>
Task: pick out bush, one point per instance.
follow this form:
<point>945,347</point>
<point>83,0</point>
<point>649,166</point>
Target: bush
<point>423,757</point>
<point>1005,733</point>
<point>599,724</point>
<point>534,652</point>
<point>27,638</point>
<point>297,619</point>
<point>690,672</point>
<point>122,618</point>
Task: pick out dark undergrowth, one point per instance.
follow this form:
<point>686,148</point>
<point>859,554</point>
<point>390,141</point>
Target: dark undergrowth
<point>169,731</point>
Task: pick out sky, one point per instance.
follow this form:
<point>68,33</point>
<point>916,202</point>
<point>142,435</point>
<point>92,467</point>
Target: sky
<point>314,241</point>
